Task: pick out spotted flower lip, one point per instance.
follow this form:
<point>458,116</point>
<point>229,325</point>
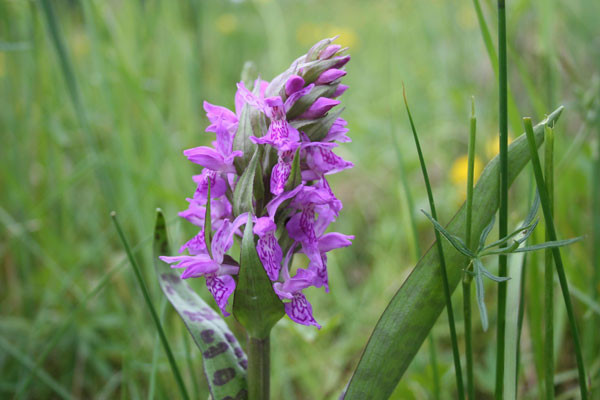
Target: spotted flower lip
<point>288,124</point>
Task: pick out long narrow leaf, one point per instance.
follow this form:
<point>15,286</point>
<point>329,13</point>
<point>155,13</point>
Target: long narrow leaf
<point>222,356</point>
<point>153,313</point>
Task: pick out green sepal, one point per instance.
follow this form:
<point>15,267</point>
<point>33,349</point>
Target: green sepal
<point>306,101</point>
<point>255,306</point>
<point>223,359</point>
<point>295,177</point>
<point>208,221</point>
<point>252,122</point>
<point>312,69</point>
<point>317,131</point>
<point>244,188</point>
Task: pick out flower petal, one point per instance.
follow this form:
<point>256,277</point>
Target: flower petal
<point>221,288</point>
<point>270,255</point>
<point>300,311</point>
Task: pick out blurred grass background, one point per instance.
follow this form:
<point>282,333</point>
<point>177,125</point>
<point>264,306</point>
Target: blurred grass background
<point>68,300</point>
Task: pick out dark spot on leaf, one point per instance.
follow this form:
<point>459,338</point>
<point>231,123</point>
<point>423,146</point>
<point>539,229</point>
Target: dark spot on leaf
<point>223,376</point>
<point>207,335</point>
<point>215,350</point>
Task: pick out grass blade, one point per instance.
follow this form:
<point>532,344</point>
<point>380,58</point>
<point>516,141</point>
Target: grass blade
<point>440,249</point>
<point>546,208</point>
<point>412,312</point>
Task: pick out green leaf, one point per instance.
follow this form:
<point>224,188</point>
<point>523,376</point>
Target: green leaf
<point>480,294</point>
<point>548,245</point>
<point>222,356</point>
<point>412,312</point>
<point>244,188</point>
<point>454,240</point>
<point>256,306</point>
<point>486,231</point>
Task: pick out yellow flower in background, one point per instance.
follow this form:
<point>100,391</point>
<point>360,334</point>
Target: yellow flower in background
<point>492,146</point>
<point>460,169</point>
<point>348,37</point>
<point>226,23</point>
<point>309,33</point>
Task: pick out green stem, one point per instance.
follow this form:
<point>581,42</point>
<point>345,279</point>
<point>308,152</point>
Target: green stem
<point>549,273</point>
<point>503,209</point>
<point>259,364</point>
<point>564,286</point>
<point>438,241</point>
<point>466,285</point>
<point>153,313</point>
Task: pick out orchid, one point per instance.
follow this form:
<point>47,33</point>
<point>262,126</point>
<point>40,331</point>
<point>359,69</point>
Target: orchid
<point>268,166</point>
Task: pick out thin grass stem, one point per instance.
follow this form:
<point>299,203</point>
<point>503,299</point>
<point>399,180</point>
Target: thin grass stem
<point>546,208</point>
<point>466,283</point>
<point>503,209</point>
<point>146,294</point>
<point>438,240</point>
<point>549,272</point>
<point>417,250</point>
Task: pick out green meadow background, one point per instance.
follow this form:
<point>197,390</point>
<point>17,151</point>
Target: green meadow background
<point>100,124</point>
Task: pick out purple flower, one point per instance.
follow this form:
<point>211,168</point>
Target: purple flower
<point>298,309</point>
<point>267,247</point>
<point>212,159</point>
<point>319,108</point>
<point>214,267</point>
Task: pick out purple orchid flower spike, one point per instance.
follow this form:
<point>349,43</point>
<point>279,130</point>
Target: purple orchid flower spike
<point>292,123</point>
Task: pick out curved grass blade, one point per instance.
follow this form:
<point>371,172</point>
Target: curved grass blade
<point>412,312</point>
<point>551,231</point>
<point>222,356</point>
<point>454,240</point>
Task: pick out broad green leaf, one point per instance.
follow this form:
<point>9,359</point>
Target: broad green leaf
<point>244,188</point>
<point>223,359</point>
<point>413,311</point>
<point>256,306</point>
